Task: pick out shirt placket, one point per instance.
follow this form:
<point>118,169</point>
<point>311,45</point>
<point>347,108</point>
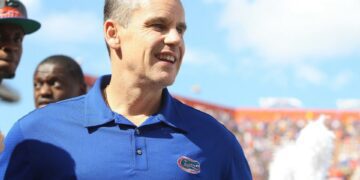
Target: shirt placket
<point>140,150</point>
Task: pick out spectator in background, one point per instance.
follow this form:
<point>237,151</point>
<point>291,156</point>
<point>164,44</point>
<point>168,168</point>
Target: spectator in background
<point>14,24</point>
<point>57,78</point>
<point>128,126</point>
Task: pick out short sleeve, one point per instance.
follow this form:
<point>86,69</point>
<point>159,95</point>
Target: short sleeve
<point>238,168</point>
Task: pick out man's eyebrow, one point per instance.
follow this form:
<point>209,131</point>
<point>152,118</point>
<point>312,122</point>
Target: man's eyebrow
<point>156,20</point>
<point>165,21</point>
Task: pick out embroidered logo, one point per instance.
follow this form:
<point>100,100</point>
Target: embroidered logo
<point>188,165</point>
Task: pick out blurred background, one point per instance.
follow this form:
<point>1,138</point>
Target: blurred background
<point>263,67</point>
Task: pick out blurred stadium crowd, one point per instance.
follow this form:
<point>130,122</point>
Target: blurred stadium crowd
<point>262,131</point>
<point>261,138</point>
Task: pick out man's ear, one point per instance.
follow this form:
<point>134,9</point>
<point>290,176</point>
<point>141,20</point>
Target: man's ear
<point>83,89</point>
<point>111,34</point>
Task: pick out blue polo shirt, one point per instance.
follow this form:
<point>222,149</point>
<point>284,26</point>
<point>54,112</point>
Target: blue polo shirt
<point>81,138</point>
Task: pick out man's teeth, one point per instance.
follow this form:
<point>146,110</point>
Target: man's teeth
<point>167,58</point>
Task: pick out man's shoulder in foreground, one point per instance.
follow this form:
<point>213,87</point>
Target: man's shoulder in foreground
<point>201,122</point>
<point>53,115</point>
<point>67,115</point>
<point>217,143</point>
<point>34,133</point>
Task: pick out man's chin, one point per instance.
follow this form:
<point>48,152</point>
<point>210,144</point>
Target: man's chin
<point>7,71</point>
<point>42,105</point>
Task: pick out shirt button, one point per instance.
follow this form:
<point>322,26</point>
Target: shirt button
<point>137,131</point>
<point>139,152</point>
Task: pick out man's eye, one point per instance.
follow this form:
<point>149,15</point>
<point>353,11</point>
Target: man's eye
<point>18,38</point>
<point>37,85</point>
<point>158,27</point>
<point>56,84</point>
<point>180,30</point>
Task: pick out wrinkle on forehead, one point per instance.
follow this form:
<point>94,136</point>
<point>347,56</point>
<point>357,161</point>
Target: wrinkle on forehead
<point>142,3</point>
<point>162,7</point>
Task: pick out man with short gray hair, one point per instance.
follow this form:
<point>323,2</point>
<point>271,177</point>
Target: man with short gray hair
<point>128,126</point>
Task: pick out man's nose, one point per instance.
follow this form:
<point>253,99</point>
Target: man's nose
<point>45,90</point>
<point>8,47</point>
<point>173,37</point>
<point>7,44</point>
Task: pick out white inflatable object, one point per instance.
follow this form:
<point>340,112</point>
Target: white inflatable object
<point>308,158</point>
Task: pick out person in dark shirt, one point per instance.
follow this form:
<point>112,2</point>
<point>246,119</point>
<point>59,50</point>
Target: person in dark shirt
<point>14,25</point>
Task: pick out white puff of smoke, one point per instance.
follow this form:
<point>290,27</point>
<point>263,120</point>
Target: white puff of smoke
<point>308,157</point>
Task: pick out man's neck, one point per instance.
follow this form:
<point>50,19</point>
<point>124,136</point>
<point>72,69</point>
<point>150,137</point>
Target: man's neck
<point>134,103</point>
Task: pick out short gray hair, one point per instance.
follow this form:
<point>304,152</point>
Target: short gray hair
<point>120,10</point>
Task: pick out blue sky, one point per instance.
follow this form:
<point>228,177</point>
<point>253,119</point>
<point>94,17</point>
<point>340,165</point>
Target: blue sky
<point>237,51</point>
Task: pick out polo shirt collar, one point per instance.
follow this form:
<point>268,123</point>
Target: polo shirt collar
<point>98,113</point>
<point>96,110</point>
<point>169,113</point>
